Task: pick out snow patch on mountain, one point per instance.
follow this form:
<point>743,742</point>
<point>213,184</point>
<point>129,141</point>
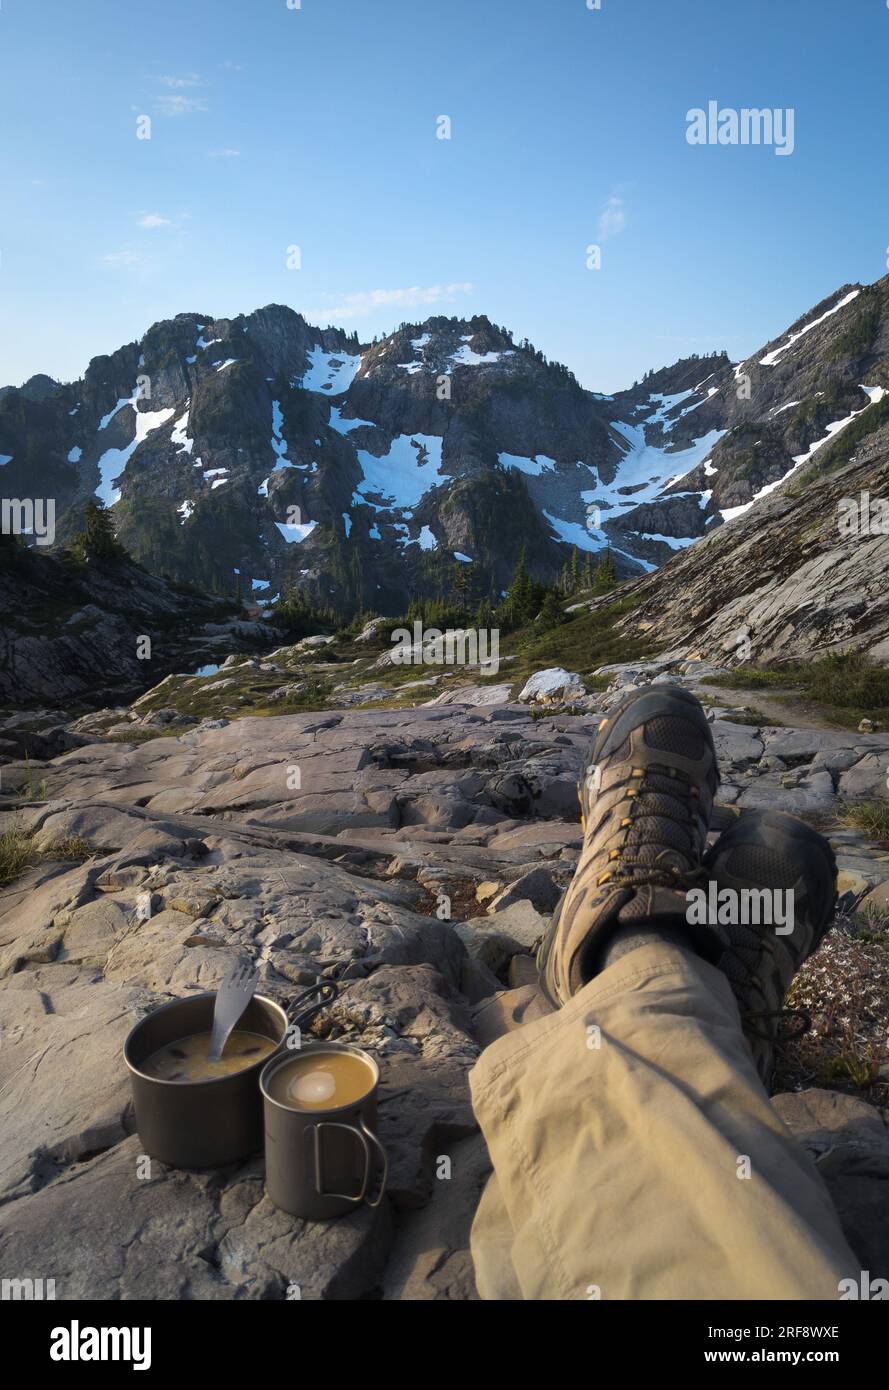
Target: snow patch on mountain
<point>465,357</point>
<point>330,372</point>
<point>346,426</point>
<point>179,436</point>
<point>124,400</point>
<point>279,443</point>
<point>572,533</point>
<point>219,475</point>
<point>875,395</point>
<point>647,470</point>
<point>588,538</point>
<point>403,476</point>
<point>114,461</point>
<point>777,353</point>
<point>666,406</point>
<point>537,464</point>
<point>295,535</point>
<point>674,542</point>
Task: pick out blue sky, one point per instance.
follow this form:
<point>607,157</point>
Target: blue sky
<point>316,127</point>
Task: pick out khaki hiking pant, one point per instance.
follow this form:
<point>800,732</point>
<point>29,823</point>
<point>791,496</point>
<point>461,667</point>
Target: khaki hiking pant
<point>636,1155</point>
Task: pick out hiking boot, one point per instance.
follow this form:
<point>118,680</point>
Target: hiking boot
<point>646,798</point>
<point>768,850</point>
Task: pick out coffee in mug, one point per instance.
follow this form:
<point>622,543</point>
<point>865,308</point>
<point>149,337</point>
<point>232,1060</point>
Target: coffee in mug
<point>322,1154</point>
<point>321,1081</point>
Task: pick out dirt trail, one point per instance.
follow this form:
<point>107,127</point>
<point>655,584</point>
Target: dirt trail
<point>796,713</point>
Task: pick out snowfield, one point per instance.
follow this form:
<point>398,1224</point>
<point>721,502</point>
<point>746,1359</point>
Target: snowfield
<point>329,372</point>
<point>403,476</point>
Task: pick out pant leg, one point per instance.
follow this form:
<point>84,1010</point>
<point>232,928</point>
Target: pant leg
<point>621,1128</point>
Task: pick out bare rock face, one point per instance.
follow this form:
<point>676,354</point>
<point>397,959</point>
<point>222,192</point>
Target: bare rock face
<point>71,633</point>
<point>783,582</point>
<point>415,861</point>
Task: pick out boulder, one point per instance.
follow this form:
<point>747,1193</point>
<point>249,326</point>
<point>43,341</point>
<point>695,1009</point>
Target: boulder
<point>555,683</point>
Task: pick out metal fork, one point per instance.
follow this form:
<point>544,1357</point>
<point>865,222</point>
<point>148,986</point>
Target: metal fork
<point>232,998</point>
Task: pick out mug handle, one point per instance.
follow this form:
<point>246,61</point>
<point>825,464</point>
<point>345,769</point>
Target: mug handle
<point>319,1179</point>
<point>362,1135</point>
<point>369,1134</point>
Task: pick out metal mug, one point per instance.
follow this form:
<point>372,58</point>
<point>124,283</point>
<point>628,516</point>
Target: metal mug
<point>319,1162</point>
<point>205,1124</point>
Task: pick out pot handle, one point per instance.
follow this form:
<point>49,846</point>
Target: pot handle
<point>300,1012</point>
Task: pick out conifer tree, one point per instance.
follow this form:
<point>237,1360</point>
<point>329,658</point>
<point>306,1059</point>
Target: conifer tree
<point>606,576</point>
<point>98,539</point>
<point>520,594</point>
<point>551,614</point>
<point>575,570</point>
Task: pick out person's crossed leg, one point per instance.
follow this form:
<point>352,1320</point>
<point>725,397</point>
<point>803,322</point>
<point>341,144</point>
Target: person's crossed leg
<point>635,1152</point>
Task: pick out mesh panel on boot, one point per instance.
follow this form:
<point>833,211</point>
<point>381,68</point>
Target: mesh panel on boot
<point>678,736</point>
<point>641,814</point>
<point>660,831</point>
<point>757,864</point>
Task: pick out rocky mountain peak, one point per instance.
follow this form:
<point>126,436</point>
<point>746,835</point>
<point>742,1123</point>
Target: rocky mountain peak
<point>263,451</point>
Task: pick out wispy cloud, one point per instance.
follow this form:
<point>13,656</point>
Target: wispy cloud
<point>179,105</point>
<point>188,79</point>
<point>224,154</point>
<point>356,306</point>
<point>122,258</point>
<point>612,218</point>
<point>154,219</point>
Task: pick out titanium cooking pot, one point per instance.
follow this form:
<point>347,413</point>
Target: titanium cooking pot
<point>205,1124</point>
